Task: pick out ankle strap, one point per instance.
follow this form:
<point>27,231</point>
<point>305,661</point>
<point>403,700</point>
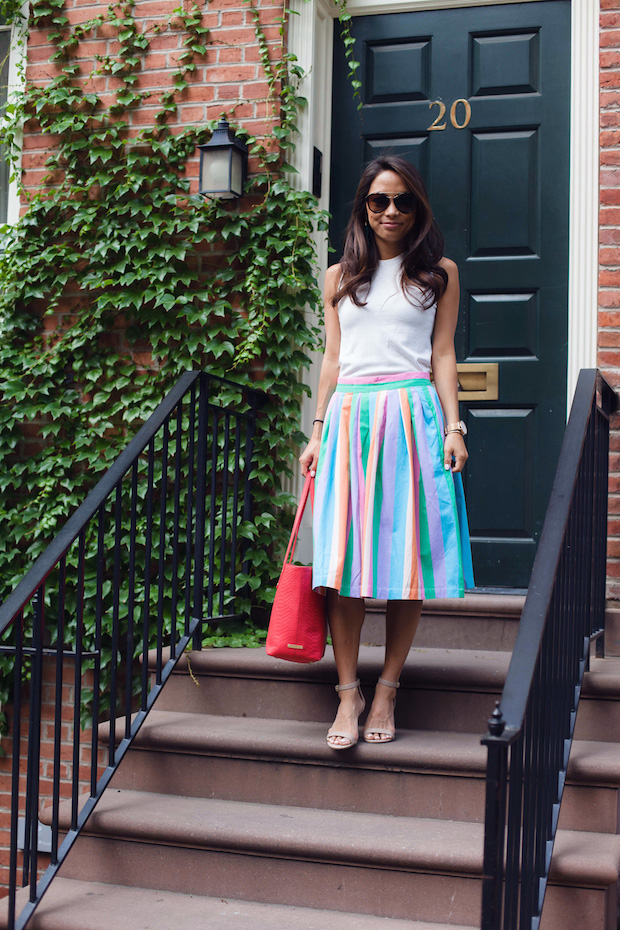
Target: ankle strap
<point>389,684</point>
<point>350,686</point>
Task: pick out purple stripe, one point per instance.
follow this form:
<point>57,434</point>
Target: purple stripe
<point>388,480</point>
<point>433,510</point>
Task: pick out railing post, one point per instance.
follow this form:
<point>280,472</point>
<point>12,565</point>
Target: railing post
<point>201,502</point>
<point>17,719</point>
<point>247,491</point>
<point>495,824</point>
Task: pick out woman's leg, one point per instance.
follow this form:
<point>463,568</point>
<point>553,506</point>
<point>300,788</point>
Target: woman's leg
<point>401,623</point>
<point>346,616</point>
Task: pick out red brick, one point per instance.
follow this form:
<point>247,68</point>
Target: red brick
<point>270,16</point>
<point>232,18</point>
<point>610,58</point>
<point>148,8</point>
<point>609,256</point>
<point>610,20</point>
<point>610,79</point>
<point>609,299</point>
<point>608,99</point>
<point>610,37</point>
<point>608,359</point>
<point>199,93</point>
<point>41,73</point>
<point>610,138</point>
<point>225,55</point>
<point>609,338</point>
<point>609,237</point>
<point>609,119</point>
<point>256,90</point>
<point>236,36</point>
<point>38,38</point>
<point>225,75</point>
<point>227,92</point>
<point>271,33</point>
<point>226,5</point>
<point>81,15</point>
<point>193,114</point>
<point>609,216</point>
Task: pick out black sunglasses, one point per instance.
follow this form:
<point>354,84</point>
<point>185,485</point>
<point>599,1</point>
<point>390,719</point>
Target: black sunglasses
<point>404,203</point>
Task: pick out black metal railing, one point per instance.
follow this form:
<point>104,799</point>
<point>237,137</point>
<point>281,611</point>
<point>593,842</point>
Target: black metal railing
<point>151,556</point>
<point>531,730</point>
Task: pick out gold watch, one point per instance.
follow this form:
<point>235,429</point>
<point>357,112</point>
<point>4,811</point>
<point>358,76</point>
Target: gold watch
<point>459,427</point>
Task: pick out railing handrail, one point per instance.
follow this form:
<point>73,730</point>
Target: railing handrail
<point>520,674</point>
<point>49,558</point>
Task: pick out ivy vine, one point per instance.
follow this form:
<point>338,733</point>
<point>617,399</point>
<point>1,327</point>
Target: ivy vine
<point>113,248</point>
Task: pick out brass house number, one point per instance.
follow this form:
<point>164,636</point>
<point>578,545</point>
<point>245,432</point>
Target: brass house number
<point>460,110</point>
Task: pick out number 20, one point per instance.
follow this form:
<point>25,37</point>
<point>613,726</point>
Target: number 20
<point>437,124</point>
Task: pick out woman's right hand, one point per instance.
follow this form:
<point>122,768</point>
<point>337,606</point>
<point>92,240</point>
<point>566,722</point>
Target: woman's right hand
<point>310,456</point>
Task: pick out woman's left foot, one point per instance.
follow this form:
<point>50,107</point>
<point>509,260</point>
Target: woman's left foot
<point>379,727</point>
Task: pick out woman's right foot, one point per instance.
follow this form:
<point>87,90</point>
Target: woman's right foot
<point>344,733</point>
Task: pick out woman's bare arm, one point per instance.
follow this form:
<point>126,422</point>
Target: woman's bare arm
<point>329,370</point>
<point>443,364</point>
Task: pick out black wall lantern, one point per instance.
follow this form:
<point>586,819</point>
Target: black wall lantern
<point>223,164</point>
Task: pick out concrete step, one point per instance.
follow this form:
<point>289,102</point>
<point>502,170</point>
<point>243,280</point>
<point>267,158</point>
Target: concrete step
<point>421,774</point>
<point>399,867</point>
<point>75,905</point>
<point>477,621</point>
<point>441,689</point>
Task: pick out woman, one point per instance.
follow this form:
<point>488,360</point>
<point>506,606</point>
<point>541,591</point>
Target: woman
<point>389,516</point>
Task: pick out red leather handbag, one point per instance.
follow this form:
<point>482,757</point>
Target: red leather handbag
<point>297,627</point>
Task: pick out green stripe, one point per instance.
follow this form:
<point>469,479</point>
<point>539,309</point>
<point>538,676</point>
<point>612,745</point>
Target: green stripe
<point>381,386</point>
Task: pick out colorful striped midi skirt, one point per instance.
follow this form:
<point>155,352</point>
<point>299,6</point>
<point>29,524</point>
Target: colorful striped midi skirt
<point>389,520</point>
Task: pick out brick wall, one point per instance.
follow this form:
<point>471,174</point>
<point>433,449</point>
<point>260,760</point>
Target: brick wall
<point>229,78</point>
<point>609,252</point>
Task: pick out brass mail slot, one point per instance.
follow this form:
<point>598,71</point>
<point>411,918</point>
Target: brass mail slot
<point>478,381</point>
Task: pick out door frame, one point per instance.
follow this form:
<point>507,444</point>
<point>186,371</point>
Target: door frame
<point>311,40</point>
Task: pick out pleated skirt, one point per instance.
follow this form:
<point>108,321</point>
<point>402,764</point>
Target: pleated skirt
<point>389,520</point>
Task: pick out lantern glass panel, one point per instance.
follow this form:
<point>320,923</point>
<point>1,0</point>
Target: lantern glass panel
<point>215,170</point>
<point>236,174</point>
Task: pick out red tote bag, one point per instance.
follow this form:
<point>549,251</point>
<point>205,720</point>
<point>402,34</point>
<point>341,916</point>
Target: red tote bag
<point>297,627</point>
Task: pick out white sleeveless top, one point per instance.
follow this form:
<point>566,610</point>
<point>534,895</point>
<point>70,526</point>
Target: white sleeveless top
<point>391,333</point>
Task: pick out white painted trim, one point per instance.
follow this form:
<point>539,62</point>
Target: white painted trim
<point>584,191</point>
<point>16,82</point>
<point>584,178</point>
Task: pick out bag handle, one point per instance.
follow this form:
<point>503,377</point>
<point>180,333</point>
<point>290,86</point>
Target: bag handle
<point>307,489</point>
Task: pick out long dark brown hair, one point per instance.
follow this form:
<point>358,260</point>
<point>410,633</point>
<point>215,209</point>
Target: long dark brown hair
<point>423,245</point>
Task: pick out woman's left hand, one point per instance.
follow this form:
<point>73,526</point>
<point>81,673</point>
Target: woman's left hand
<point>454,445</point>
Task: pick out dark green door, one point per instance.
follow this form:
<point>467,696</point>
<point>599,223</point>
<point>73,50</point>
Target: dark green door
<point>478,100</point>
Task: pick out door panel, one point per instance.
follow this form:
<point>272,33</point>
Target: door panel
<point>478,100</point>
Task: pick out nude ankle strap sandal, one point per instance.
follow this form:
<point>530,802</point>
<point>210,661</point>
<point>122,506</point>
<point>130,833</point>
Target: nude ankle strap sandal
<point>386,732</point>
<point>351,737</point>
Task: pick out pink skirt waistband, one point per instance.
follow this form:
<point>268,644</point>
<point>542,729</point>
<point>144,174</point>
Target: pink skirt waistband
<point>381,379</point>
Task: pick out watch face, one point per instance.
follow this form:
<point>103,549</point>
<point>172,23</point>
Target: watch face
<point>463,427</point>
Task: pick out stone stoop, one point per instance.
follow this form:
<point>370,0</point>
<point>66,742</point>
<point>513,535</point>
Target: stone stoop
<point>232,811</point>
